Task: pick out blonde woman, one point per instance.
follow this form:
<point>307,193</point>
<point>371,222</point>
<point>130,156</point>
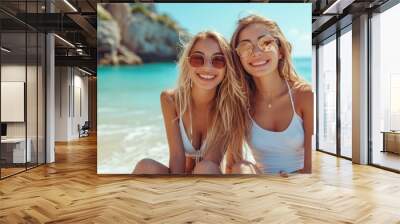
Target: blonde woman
<point>280,103</point>
<point>205,115</point>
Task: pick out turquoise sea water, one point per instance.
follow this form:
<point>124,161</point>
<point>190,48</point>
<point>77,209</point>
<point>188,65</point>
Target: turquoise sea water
<point>130,125</point>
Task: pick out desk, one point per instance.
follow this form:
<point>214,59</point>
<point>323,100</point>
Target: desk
<point>391,141</point>
<point>18,151</point>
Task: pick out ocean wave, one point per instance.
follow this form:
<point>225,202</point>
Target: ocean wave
<point>110,129</point>
<point>143,132</point>
<point>120,112</point>
<point>106,109</point>
<point>123,161</point>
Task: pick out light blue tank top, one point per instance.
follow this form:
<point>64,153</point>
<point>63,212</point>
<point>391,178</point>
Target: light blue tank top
<point>281,151</point>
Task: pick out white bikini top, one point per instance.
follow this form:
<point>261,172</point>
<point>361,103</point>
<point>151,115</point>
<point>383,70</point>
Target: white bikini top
<point>190,151</point>
<point>281,151</point>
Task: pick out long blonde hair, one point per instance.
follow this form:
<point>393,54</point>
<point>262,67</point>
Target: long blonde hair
<point>285,65</point>
<point>228,123</point>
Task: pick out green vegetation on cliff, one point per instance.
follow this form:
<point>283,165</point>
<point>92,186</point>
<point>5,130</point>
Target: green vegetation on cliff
<point>163,19</point>
<point>103,14</point>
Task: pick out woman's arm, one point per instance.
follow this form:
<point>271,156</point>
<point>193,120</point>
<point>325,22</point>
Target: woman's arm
<point>177,159</point>
<point>307,112</point>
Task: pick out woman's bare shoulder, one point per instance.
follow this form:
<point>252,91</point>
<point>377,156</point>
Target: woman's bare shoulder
<point>302,91</point>
<point>168,97</point>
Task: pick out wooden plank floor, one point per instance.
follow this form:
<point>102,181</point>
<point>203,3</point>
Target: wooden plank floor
<point>10,171</point>
<point>70,191</point>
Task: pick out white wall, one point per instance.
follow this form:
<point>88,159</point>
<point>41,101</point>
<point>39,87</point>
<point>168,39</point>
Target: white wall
<point>79,117</point>
<point>70,83</point>
<point>61,103</point>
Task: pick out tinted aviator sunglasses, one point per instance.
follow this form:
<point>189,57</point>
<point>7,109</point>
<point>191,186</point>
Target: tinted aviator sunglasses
<point>198,60</point>
<point>246,48</point>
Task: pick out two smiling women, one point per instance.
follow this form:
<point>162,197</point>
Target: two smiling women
<point>228,95</point>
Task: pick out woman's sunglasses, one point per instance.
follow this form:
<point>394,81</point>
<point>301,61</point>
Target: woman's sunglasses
<point>246,48</point>
<point>198,60</point>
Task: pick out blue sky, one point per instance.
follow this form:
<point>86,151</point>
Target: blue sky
<point>293,19</point>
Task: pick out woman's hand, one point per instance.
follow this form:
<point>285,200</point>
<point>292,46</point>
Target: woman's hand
<point>283,174</point>
<point>190,163</point>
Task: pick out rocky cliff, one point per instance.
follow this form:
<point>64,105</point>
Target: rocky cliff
<point>132,33</point>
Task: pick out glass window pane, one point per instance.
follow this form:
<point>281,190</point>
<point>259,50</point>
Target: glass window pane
<point>13,87</point>
<point>327,97</point>
<point>346,94</point>
<point>386,89</point>
<point>31,100</point>
<point>41,99</point>
<point>23,84</point>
